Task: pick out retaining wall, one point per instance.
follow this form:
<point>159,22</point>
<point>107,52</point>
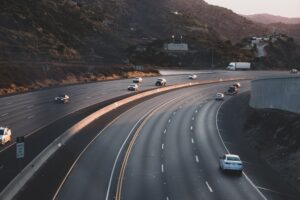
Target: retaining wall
<point>279,93</point>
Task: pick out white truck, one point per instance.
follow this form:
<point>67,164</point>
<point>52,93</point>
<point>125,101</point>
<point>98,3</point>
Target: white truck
<point>239,66</point>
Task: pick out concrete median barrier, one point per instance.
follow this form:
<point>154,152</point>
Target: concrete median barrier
<point>29,171</point>
<point>277,93</point>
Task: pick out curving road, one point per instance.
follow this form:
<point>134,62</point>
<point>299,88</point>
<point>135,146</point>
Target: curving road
<point>164,148</point>
<point>27,112</point>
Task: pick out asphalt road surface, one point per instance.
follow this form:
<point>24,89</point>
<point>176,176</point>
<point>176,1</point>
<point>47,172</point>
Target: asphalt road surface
<point>168,148</point>
<point>26,113</point>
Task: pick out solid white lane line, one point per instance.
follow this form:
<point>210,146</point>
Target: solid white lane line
<point>247,178</point>
<point>208,186</point>
<point>3,115</point>
<point>197,158</point>
<point>162,146</point>
<point>165,131</point>
<point>162,168</point>
<point>191,128</point>
<point>192,140</point>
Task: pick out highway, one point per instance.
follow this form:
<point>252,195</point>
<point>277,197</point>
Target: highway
<point>173,140</point>
<point>26,113</point>
<point>164,148</point>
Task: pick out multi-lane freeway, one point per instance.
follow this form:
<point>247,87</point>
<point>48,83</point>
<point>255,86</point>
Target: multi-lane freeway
<point>166,147</point>
<point>25,113</point>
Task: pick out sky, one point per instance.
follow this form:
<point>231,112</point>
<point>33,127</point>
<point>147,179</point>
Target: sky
<point>285,8</point>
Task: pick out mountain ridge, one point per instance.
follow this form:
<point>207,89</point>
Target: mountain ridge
<point>270,19</point>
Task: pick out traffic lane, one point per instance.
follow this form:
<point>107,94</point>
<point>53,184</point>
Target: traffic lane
<point>102,153</point>
<point>145,175</point>
<point>266,179</point>
<point>184,178</point>
<point>19,114</point>
<point>18,111</point>
<point>209,148</point>
<point>29,116</point>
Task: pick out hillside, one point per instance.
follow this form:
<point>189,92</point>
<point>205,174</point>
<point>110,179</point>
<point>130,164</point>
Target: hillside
<point>270,19</point>
<point>293,30</point>
<point>100,31</point>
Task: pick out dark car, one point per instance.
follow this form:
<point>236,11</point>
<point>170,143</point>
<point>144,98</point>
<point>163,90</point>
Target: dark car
<point>161,82</point>
<point>232,90</point>
<point>63,98</point>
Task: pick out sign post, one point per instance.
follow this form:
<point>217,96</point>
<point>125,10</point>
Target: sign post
<point>20,147</point>
<point>20,151</point>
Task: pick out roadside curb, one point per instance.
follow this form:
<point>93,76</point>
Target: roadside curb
<point>29,171</point>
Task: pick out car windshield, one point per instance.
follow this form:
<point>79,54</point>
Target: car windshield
<point>1,131</point>
<point>233,158</point>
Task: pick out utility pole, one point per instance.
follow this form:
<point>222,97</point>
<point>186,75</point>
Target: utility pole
<point>212,58</point>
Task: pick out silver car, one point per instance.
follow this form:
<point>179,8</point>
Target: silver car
<point>192,76</point>
<point>133,87</point>
<point>231,162</point>
<point>219,96</point>
<point>137,80</point>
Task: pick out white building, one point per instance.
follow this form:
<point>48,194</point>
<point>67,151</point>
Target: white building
<point>176,47</point>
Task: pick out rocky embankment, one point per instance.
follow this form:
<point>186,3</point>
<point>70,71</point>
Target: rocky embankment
<point>275,135</point>
<point>16,79</point>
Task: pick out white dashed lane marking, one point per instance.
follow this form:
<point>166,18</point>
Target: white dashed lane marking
<point>208,186</point>
<point>197,158</point>
<point>3,115</point>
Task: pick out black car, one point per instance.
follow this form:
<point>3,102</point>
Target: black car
<point>63,98</point>
<point>161,82</point>
<point>232,90</point>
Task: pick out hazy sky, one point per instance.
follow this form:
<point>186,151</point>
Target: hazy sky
<point>285,8</point>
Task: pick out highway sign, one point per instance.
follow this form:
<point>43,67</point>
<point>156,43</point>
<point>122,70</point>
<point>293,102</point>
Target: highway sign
<point>20,147</point>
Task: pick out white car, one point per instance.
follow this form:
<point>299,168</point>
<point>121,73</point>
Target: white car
<point>5,135</point>
<point>133,87</point>
<point>137,80</point>
<point>219,96</point>
<point>192,76</point>
<point>237,84</point>
<point>294,71</point>
<point>161,82</point>
<point>63,98</point>
<point>231,162</point>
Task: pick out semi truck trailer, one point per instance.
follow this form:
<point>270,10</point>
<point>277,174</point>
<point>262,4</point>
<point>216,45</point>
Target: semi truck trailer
<point>239,66</point>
